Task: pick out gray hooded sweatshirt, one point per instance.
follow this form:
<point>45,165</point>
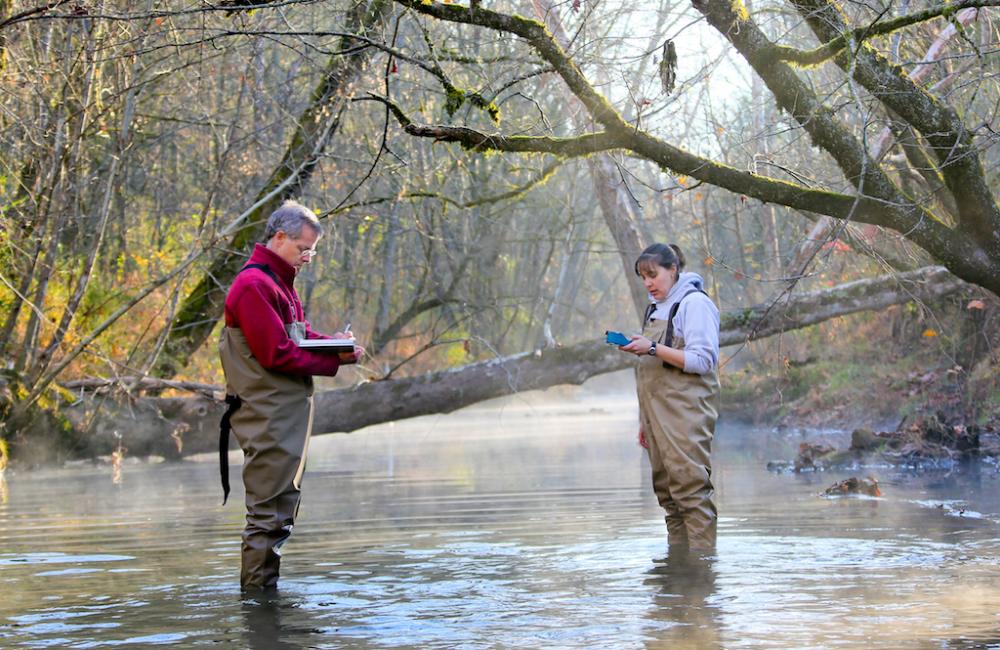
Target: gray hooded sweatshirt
<point>697,321</point>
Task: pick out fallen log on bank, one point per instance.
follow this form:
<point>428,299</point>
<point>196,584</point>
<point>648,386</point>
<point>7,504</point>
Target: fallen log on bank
<point>177,426</point>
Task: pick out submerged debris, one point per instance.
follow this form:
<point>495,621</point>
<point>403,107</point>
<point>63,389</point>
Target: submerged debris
<point>809,453</point>
<point>854,485</point>
<point>927,442</point>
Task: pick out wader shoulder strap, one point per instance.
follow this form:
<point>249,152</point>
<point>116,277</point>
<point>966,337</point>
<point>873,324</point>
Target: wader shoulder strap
<point>668,336</point>
<point>263,267</point>
<point>650,308</point>
<point>225,427</point>
<point>281,287</point>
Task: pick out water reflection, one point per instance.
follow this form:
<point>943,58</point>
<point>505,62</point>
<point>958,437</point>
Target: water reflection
<point>685,590</point>
<point>262,622</point>
<point>520,525</point>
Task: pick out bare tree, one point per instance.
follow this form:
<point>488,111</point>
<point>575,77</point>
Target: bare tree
<point>968,247</point>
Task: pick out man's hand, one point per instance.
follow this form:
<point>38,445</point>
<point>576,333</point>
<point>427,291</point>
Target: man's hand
<point>349,357</point>
<point>352,357</point>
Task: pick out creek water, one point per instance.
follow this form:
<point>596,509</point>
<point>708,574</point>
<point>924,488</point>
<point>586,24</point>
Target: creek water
<point>527,522</point>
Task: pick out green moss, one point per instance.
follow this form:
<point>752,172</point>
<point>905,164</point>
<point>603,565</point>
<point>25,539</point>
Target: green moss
<point>455,98</point>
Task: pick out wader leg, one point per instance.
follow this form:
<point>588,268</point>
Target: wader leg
<point>683,485</point>
<point>272,470</point>
<point>676,530</point>
<point>701,523</point>
<point>269,525</point>
<point>691,487</point>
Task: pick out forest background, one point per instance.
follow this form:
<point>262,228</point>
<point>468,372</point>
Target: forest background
<point>486,174</point>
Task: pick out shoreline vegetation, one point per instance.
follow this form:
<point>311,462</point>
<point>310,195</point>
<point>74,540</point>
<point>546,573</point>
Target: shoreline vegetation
<point>910,395</point>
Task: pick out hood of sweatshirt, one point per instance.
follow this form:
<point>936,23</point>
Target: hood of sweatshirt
<point>686,282</point>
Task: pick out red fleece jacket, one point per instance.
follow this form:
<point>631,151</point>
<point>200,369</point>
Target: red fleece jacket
<point>261,309</point>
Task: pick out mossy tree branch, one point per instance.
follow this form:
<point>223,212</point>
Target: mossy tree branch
<point>878,202</point>
<point>540,39</point>
<point>539,179</point>
<point>950,139</point>
<point>836,44</point>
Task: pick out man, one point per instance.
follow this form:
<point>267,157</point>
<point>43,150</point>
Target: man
<point>269,386</point>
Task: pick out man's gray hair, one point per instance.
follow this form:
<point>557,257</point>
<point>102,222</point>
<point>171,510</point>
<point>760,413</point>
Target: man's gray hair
<point>290,218</point>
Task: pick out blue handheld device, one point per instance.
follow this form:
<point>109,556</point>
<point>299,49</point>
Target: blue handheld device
<point>616,338</point>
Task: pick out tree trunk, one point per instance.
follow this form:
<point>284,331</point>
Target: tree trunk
<point>618,206</point>
<point>173,427</point>
<point>202,307</point>
<point>969,251</point>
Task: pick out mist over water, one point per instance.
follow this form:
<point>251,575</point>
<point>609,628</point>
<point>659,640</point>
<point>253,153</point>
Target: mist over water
<point>526,522</point>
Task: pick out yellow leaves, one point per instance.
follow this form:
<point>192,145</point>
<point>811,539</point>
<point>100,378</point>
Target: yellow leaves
<point>709,261</point>
<point>455,356</point>
<point>156,259</point>
<point>698,196</point>
<point>740,10</point>
<point>682,181</point>
<point>929,333</point>
<point>366,224</point>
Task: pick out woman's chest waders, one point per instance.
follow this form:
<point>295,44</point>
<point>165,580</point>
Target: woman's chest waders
<point>272,421</point>
<point>678,412</point>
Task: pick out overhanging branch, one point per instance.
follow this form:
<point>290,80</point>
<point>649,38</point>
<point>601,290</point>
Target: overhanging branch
<point>474,140</point>
<point>857,35</point>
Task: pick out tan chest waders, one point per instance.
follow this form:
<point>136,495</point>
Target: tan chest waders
<point>678,412</point>
<point>271,416</point>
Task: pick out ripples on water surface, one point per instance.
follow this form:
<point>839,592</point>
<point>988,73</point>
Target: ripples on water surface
<point>528,524</point>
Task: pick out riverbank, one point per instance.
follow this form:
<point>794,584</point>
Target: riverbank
<point>908,394</point>
<point>845,394</point>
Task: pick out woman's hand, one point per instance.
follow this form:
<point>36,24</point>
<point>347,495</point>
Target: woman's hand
<point>642,438</point>
<point>638,346</point>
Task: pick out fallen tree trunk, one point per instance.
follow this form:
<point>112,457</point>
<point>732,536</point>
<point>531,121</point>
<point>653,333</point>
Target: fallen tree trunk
<point>173,427</point>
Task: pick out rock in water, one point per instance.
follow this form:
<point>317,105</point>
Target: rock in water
<point>855,485</point>
<point>809,454</point>
<point>864,439</point>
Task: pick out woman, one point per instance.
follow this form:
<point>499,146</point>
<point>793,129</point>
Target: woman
<point>678,388</point>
